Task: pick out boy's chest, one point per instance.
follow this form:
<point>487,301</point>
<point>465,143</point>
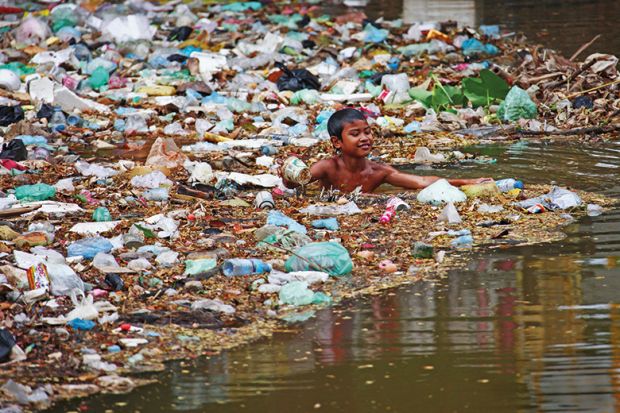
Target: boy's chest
<point>347,181</point>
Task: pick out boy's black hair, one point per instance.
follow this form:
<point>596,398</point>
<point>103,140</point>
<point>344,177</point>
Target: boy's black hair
<point>336,122</point>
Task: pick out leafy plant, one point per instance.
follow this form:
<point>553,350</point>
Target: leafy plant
<point>486,89</point>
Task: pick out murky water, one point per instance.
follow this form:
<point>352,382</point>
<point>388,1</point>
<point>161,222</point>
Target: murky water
<point>561,24</point>
<point>524,329</point>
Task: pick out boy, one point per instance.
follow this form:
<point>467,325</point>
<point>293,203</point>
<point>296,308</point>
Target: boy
<point>350,168</point>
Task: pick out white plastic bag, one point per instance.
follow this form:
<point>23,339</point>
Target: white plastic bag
<point>84,308</point>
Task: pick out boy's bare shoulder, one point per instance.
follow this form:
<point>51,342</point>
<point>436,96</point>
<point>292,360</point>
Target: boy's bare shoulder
<point>327,162</point>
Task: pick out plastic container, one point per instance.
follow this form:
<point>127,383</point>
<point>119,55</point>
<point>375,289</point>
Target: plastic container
<point>264,200</point>
<point>296,171</point>
<point>240,266</point>
<point>509,184</point>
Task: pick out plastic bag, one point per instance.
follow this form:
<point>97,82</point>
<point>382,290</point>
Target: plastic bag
<point>9,80</point>
<point>440,192</point>
<point>10,115</point>
<point>329,257</point>
<point>165,152</point>
<point>374,35</point>
<point>517,105</point>
<point>63,279</point>
<point>32,31</point>
<point>36,192</point>
<point>277,218</point>
<point>296,293</point>
<point>450,215</point>
<point>180,33</point>
<point>89,247</point>
<point>84,308</point>
<point>15,150</point>
<point>296,79</point>
<point>7,341</point>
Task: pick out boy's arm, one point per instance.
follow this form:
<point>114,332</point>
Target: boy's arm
<point>409,181</point>
<point>317,171</point>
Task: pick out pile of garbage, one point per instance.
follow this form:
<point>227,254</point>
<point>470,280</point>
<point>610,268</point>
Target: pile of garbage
<point>142,214</point>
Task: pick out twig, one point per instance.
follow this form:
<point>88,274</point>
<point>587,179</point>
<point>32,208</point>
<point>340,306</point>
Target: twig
<point>572,76</point>
<point>593,89</point>
<point>584,47</point>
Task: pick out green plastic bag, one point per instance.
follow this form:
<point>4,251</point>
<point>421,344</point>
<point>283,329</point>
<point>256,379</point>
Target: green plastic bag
<point>296,293</point>
<point>330,257</point>
<point>36,192</point>
<point>99,78</point>
<point>517,105</point>
<point>102,214</point>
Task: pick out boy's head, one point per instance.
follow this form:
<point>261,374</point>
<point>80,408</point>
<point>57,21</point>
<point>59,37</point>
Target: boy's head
<point>350,133</point>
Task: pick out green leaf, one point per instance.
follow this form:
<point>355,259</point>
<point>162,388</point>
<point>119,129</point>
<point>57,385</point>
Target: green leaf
<point>486,89</point>
<point>446,97</point>
<point>421,95</point>
<point>147,232</point>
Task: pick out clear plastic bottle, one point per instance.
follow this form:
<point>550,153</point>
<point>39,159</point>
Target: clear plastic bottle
<point>58,121</point>
<point>509,184</point>
<point>240,266</point>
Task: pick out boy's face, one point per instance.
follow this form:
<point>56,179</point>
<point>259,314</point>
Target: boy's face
<point>356,139</point>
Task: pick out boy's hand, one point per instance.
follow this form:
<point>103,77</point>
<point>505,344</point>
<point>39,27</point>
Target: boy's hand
<point>482,180</point>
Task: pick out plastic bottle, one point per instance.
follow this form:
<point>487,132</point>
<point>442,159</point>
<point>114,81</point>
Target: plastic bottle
<point>36,192</point>
<point>509,184</point>
<point>102,214</point>
<point>240,266</point>
<point>264,200</point>
<point>268,150</point>
<point>58,122</point>
<point>387,216</point>
<point>74,120</point>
